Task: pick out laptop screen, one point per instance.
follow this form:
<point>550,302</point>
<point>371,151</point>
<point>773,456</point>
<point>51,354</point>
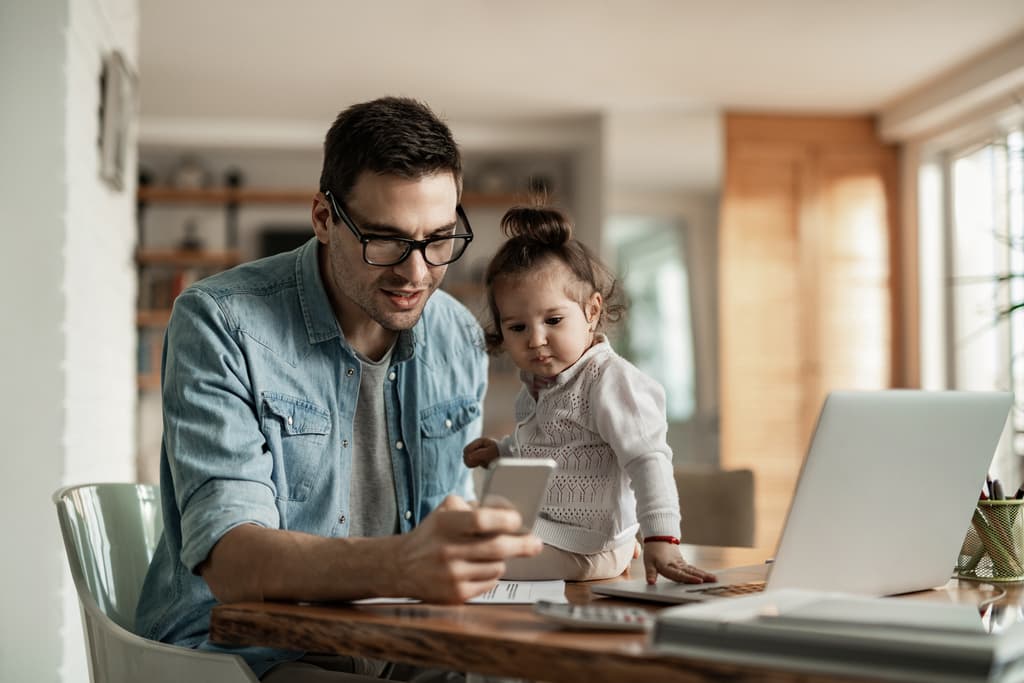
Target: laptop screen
<point>887,489</point>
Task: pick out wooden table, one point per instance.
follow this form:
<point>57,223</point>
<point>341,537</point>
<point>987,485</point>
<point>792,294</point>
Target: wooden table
<point>509,640</point>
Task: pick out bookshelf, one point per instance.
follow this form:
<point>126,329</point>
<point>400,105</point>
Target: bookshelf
<point>189,258</point>
<point>222,196</point>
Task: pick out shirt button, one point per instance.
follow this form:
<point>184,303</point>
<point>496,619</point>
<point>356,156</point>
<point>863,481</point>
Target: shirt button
<point>341,520</point>
<point>448,424</point>
<point>290,419</point>
<point>399,445</point>
<point>392,376</point>
<point>344,443</point>
<point>408,514</point>
<point>350,372</point>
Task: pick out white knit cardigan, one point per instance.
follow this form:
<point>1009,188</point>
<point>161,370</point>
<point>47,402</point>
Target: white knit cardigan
<point>603,422</point>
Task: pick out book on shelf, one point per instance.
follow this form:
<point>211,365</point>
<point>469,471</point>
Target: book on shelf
<point>894,638</point>
<point>182,280</point>
<point>150,350</point>
<point>159,287</point>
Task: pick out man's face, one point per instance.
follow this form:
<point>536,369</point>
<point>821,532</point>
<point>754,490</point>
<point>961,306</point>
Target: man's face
<point>393,297</point>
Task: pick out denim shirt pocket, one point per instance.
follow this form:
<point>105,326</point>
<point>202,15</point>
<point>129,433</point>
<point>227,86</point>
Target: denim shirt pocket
<point>442,440</point>
<point>296,431</point>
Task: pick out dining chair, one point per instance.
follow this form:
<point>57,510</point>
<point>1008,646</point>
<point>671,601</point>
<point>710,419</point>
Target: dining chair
<point>717,505</point>
<point>110,532</point>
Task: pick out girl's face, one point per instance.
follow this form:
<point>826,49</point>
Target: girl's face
<point>545,330</point>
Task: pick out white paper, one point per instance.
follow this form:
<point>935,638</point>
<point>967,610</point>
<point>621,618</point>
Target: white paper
<point>523,593</point>
<point>505,593</point>
<point>852,610</point>
<point>822,610</point>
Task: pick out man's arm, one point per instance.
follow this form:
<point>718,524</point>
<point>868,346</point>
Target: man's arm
<point>458,552</point>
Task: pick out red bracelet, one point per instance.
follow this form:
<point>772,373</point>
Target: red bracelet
<point>662,539</point>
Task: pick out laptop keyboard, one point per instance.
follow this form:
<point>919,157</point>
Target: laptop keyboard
<point>733,589</point>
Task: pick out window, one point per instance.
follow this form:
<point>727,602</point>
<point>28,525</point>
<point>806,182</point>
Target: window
<point>658,337</point>
<point>984,257</point>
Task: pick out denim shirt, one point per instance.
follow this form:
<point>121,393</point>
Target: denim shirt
<point>259,394</point>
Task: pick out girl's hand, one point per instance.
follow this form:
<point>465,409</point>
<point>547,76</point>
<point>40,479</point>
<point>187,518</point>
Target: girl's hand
<point>667,560</point>
<point>480,452</point>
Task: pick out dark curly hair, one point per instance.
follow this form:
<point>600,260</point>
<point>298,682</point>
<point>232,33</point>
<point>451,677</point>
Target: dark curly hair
<point>389,136</point>
<point>536,235</point>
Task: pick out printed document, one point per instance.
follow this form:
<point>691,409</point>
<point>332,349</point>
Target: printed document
<point>523,593</point>
<point>505,593</point>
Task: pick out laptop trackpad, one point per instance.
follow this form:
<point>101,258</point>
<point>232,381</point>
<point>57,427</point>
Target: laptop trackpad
<point>733,575</point>
<point>740,574</point>
<point>670,591</point>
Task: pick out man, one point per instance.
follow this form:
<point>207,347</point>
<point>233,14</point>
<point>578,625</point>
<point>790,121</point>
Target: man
<point>316,404</point>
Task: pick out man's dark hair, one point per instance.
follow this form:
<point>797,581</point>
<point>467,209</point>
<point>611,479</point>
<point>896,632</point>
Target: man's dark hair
<point>389,136</point>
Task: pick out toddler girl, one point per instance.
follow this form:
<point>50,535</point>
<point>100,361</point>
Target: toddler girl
<point>594,413</point>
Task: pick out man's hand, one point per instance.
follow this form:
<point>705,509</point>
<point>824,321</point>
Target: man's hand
<point>459,552</point>
<point>480,452</point>
<point>456,553</point>
<point>667,560</point>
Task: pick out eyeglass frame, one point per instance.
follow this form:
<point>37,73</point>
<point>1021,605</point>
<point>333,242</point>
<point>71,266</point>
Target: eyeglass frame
<point>410,244</point>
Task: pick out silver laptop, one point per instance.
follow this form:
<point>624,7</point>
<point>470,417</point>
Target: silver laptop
<point>883,501</point>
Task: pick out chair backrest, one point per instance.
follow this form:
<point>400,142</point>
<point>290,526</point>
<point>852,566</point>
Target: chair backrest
<point>717,505</point>
<point>110,533</point>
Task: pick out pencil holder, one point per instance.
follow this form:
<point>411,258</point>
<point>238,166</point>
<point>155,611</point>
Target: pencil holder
<point>994,547</point>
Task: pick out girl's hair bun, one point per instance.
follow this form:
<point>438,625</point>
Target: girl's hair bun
<point>540,225</point>
<point>537,235</point>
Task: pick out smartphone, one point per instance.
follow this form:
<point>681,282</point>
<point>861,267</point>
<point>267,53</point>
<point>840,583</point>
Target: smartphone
<point>519,484</point>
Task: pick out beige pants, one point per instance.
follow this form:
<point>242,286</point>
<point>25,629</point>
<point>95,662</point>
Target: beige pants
<point>555,563</point>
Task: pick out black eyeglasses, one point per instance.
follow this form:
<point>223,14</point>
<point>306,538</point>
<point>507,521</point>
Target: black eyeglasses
<point>390,251</point>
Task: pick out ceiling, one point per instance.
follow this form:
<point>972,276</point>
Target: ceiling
<point>239,63</point>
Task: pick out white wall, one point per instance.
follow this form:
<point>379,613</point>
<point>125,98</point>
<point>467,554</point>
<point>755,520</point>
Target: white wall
<point>99,277</point>
<point>589,182</point>
<point>66,294</point>
<point>32,345</point>
<point>664,151</point>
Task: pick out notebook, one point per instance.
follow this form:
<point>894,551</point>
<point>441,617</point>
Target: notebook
<point>882,503</point>
<point>843,635</point>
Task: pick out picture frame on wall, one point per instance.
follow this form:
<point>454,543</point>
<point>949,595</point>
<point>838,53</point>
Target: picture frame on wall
<point>117,106</point>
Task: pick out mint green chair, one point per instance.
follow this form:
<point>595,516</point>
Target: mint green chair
<point>110,533</point>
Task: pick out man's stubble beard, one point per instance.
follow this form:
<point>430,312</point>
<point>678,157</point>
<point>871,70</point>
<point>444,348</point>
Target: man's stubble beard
<point>375,304</point>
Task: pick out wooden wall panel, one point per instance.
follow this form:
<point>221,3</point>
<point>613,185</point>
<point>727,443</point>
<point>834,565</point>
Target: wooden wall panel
<point>759,278</point>
<point>805,288</point>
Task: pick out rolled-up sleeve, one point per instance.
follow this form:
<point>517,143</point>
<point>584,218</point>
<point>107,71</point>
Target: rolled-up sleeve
<point>216,453</point>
